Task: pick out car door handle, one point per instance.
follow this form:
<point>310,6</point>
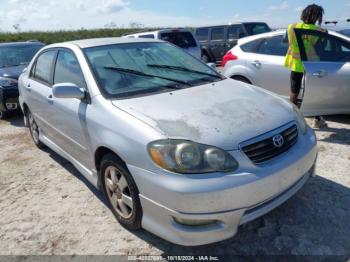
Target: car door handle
<point>320,73</point>
<point>256,63</point>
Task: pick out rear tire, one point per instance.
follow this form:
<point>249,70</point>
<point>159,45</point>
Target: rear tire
<point>241,79</point>
<point>34,130</point>
<point>121,192</point>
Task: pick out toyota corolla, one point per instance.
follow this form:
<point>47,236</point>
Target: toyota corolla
<point>177,148</point>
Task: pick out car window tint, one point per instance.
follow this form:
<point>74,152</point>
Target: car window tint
<point>234,32</point>
<point>147,36</point>
<point>202,34</point>
<point>325,47</point>
<point>256,28</point>
<point>251,46</point>
<point>273,46</point>
<point>217,33</point>
<point>67,69</point>
<point>44,65</point>
<point>181,39</point>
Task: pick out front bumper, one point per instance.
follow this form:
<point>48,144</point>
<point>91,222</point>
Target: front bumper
<point>9,99</point>
<point>227,200</point>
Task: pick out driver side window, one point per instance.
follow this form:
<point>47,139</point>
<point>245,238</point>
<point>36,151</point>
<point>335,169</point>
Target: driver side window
<point>67,69</point>
<point>321,46</point>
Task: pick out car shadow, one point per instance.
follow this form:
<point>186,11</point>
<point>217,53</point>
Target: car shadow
<point>14,119</point>
<point>313,222</point>
<point>336,135</point>
<point>68,166</point>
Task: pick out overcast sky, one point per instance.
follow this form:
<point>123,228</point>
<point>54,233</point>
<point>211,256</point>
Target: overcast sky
<point>75,14</point>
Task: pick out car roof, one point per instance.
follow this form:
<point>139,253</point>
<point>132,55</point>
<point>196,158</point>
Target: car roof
<point>280,32</point>
<point>20,43</point>
<point>94,42</point>
<point>160,31</point>
<point>229,24</point>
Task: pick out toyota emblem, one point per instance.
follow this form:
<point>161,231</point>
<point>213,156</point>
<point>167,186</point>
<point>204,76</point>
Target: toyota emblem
<point>278,140</point>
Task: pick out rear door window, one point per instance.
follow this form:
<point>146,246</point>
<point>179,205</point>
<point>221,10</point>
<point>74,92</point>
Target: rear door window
<point>218,33</point>
<point>251,46</point>
<point>43,67</point>
<point>181,39</point>
<point>273,46</point>
<point>67,69</point>
<point>202,34</point>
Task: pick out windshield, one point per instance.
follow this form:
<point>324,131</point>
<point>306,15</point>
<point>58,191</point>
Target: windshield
<point>123,70</point>
<point>257,28</point>
<point>17,54</point>
<point>181,39</point>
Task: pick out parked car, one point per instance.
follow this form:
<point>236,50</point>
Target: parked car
<point>177,148</point>
<point>14,57</point>
<point>181,37</point>
<point>217,40</point>
<point>259,60</point>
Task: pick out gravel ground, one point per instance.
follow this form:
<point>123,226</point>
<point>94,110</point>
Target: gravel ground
<point>47,207</point>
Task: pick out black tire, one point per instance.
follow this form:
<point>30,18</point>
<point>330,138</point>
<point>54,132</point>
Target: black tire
<point>133,221</point>
<point>205,58</point>
<point>241,79</point>
<point>3,114</point>
<point>34,130</point>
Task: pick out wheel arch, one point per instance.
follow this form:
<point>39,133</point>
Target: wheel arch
<point>239,77</point>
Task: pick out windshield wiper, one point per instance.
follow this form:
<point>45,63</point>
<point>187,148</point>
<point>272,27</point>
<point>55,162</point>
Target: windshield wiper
<point>184,69</point>
<point>135,72</point>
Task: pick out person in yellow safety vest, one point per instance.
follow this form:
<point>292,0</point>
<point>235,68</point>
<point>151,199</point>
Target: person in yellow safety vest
<point>311,15</point>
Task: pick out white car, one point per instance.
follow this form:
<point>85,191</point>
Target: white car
<point>259,60</point>
<point>181,37</point>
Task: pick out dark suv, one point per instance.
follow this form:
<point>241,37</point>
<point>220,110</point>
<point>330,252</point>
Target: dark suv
<point>217,40</point>
<point>14,57</point>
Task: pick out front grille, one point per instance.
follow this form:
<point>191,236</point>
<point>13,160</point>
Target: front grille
<point>266,150</point>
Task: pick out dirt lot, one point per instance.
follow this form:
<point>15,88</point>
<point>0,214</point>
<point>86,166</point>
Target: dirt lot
<point>47,207</point>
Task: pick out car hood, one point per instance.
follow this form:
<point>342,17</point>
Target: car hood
<point>12,72</point>
<point>221,114</point>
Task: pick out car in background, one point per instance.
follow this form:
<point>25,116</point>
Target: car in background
<point>181,37</point>
<point>259,60</point>
<point>217,40</point>
<point>177,148</point>
<point>14,57</point>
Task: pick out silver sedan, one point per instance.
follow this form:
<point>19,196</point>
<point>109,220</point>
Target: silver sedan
<point>176,148</point>
<point>259,60</point>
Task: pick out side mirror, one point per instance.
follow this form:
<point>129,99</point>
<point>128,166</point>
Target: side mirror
<point>212,65</point>
<point>68,90</point>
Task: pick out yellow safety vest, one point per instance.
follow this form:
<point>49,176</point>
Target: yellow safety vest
<point>293,59</point>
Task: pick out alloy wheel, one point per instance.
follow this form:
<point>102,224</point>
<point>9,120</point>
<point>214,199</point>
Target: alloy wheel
<point>34,129</point>
<point>118,192</point>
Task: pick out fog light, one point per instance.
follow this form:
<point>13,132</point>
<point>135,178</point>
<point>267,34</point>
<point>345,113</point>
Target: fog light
<point>195,223</point>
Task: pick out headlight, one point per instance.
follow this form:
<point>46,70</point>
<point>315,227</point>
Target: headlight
<point>7,82</point>
<point>301,120</point>
<point>186,157</point>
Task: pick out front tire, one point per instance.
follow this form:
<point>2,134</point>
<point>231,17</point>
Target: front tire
<point>121,192</point>
<point>34,130</point>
